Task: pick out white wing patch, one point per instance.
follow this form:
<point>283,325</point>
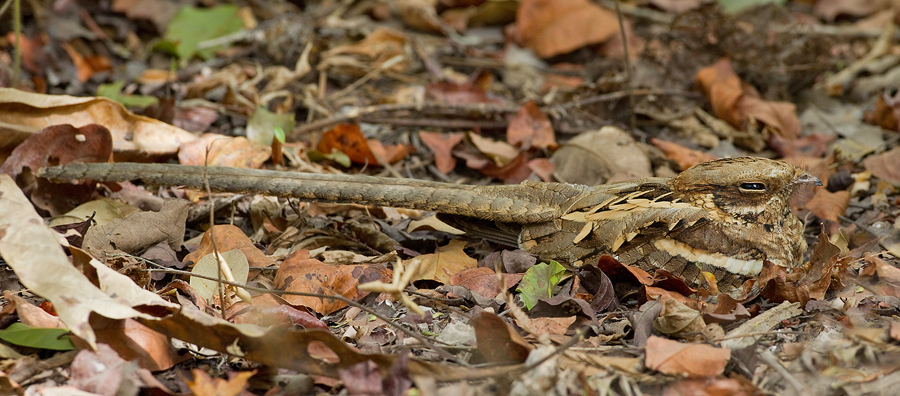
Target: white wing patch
<point>730,264</point>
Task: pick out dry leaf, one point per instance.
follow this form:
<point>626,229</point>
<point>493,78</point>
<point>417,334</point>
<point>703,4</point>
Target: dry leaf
<point>530,128</point>
<point>447,261</point>
<point>441,144</point>
<point>683,156</point>
<point>553,27</point>
<point>673,357</point>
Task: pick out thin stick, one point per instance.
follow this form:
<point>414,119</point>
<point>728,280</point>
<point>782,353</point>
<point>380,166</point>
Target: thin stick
<point>628,72</point>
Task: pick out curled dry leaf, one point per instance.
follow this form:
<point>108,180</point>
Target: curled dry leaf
<point>372,52</point>
<point>735,102</point>
<point>554,27</point>
<point>673,357</point>
<point>58,145</point>
<point>497,340</point>
<point>229,237</point>
<point>133,136</point>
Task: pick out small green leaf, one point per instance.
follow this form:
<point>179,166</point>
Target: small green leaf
<point>735,6</point>
<point>37,337</point>
<point>192,25</point>
<point>114,91</point>
<point>336,156</point>
<point>539,282</point>
<point>261,128</point>
<point>279,134</point>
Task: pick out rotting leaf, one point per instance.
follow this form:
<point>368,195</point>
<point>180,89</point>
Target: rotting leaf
<point>348,139</point>
<point>140,230</point>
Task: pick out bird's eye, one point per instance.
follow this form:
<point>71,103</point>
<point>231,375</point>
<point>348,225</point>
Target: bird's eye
<point>750,186</point>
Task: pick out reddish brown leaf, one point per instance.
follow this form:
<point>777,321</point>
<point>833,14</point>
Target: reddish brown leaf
<point>479,280</point>
<point>530,128</point>
<point>673,357</point>
<point>497,340</point>
<point>553,27</point>
<point>829,205</point>
<point>300,273</point>
<point>815,145</point>
<point>229,237</point>
<point>736,102</point>
<point>204,385</point>
<point>441,144</point>
<point>389,154</point>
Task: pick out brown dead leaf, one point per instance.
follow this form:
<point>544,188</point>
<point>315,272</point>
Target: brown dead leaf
<point>512,173</point>
<point>105,373</point>
<point>885,113</point>
<point>551,326</point>
<point>300,273</point>
<point>237,152</point>
<point>736,103</point>
<point>885,166</point>
<point>133,341</point>
<point>530,128</point>
<point>389,154</point>
<point>204,385</point>
<point>58,145</point>
<point>270,310</point>
<point>158,12</point>
<point>812,146</point>
<point>133,136</point>
<point>829,10</point>
<point>497,340</point>
<point>483,281</point>
<point>419,14</point>
<point>229,237</point>
<point>87,66</point>
<point>447,261</point>
<point>472,91</point>
<point>696,360</point>
<point>677,319</point>
<point>31,315</point>
<point>138,231</point>
<point>441,144</point>
<point>554,27</point>
<point>828,205</point>
<point>810,281</point>
<point>683,156</point>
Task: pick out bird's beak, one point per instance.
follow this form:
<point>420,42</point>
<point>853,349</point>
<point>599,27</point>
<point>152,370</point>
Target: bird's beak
<point>807,178</point>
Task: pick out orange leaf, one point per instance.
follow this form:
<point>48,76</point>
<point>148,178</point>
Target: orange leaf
<point>829,205</point>
<point>348,139</point>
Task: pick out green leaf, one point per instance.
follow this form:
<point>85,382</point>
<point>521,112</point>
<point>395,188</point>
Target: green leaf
<point>37,337</point>
<point>114,91</point>
<point>336,156</point>
<point>192,25</point>
<point>279,134</point>
<point>735,6</point>
<point>539,282</point>
<point>262,124</point>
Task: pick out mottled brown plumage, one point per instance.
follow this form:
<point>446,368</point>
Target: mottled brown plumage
<point>725,217</point>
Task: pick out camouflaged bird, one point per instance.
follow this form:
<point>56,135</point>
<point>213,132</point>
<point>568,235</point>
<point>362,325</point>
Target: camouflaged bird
<point>725,217</point>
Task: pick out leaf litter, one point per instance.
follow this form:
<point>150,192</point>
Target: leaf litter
<point>369,300</point>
